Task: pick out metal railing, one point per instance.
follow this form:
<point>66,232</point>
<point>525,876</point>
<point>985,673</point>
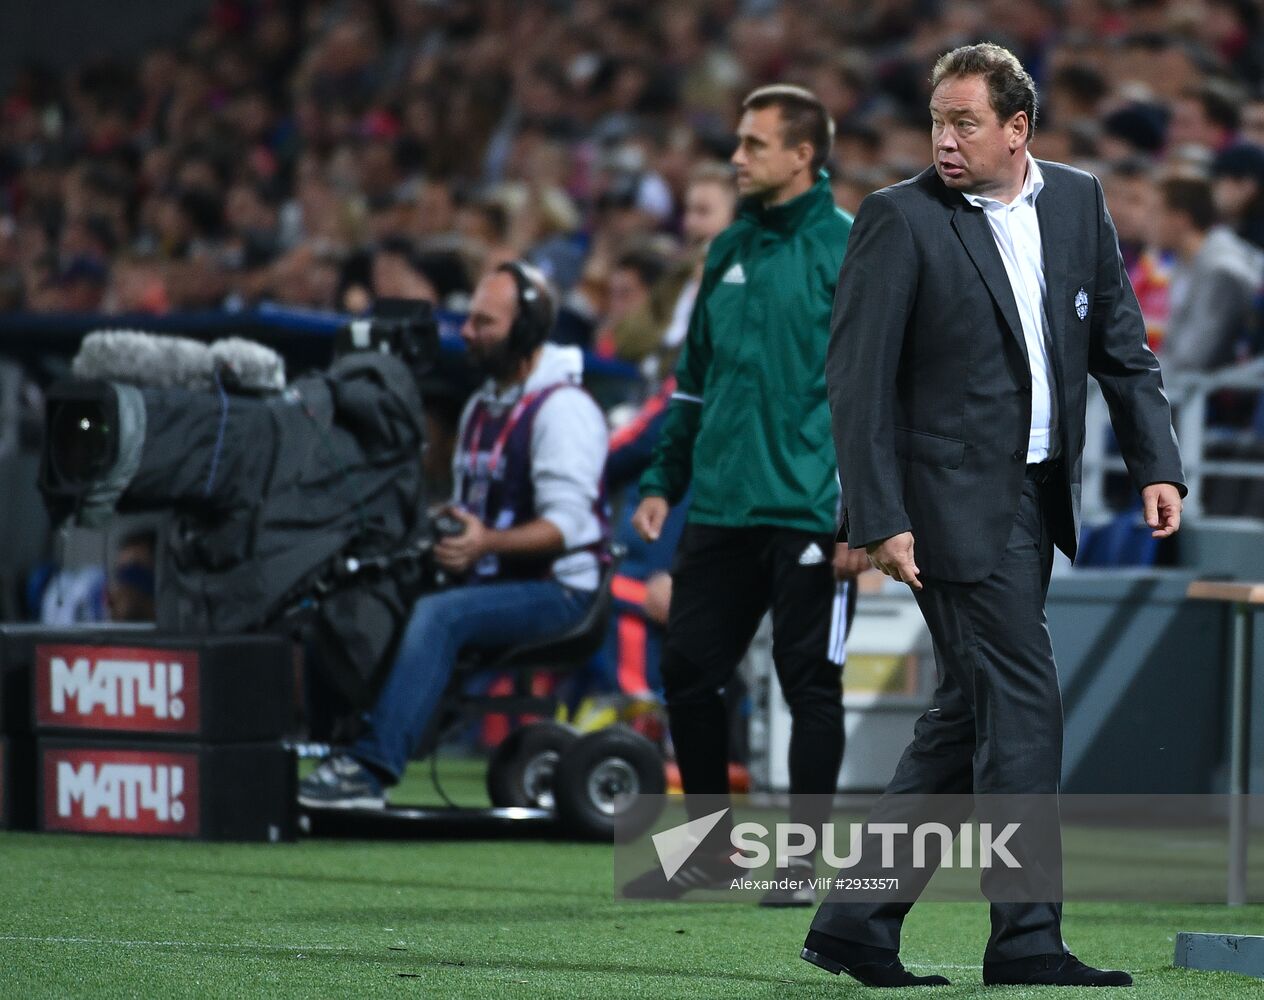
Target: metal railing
<point>1189,394</point>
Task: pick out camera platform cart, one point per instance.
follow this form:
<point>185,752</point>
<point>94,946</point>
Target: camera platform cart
<point>543,780</point>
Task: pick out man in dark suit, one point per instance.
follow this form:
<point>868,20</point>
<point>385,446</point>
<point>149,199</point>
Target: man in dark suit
<point>974,301</point>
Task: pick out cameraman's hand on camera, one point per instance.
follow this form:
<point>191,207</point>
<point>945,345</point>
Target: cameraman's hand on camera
<point>458,553</point>
<point>649,517</point>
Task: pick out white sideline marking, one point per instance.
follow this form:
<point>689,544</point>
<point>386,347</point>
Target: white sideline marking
<point>214,946</point>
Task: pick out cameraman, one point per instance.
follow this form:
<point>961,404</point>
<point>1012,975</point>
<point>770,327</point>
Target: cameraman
<point>530,452</point>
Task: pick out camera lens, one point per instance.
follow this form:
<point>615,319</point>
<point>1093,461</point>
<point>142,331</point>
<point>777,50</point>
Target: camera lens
<point>79,442</point>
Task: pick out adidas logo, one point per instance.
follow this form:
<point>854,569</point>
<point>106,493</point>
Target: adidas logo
<point>812,556</point>
<point>734,276</point>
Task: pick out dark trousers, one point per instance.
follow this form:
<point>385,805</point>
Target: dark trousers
<point>995,728</point>
<point>723,582</point>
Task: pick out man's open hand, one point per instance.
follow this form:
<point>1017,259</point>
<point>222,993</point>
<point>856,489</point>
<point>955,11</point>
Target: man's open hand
<point>894,557</point>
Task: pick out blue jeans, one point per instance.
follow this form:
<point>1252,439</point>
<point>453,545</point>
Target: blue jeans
<point>484,616</point>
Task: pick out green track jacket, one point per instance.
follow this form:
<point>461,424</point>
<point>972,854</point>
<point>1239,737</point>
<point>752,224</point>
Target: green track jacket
<point>749,423</point>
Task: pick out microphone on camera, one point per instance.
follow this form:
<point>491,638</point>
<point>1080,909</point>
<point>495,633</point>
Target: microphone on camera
<point>159,361</point>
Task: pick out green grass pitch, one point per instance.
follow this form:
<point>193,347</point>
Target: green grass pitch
<point>103,918</point>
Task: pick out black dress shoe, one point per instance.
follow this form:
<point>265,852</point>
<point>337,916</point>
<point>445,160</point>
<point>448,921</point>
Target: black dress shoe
<point>867,965</point>
<point>1050,970</point>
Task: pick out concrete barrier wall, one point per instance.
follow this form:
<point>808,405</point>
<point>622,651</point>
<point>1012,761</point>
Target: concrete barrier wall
<point>1145,684</point>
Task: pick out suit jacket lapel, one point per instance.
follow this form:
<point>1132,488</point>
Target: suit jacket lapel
<point>972,227</point>
<point>1056,287</point>
<point>1055,264</point>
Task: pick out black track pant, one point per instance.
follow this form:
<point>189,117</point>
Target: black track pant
<point>723,581</point>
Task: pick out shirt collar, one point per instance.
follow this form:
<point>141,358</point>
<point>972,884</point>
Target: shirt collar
<point>1032,185</point>
<point>790,215</point>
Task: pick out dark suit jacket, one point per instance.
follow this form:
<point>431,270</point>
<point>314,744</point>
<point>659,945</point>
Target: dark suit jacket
<point>929,386</point>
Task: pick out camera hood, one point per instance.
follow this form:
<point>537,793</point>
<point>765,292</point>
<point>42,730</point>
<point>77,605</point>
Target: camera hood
<point>94,433</point>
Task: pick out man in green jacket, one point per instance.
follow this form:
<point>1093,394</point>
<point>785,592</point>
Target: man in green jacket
<point>749,427</point>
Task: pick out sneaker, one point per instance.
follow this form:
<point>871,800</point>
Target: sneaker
<point>793,886</point>
<point>341,782</point>
<point>699,872</point>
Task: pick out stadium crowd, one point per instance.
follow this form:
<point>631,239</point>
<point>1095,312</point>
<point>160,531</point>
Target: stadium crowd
<point>319,154</point>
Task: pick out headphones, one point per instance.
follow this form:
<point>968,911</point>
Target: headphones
<point>533,321</point>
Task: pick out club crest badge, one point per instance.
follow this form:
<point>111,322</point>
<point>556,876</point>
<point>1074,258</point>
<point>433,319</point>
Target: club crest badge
<point>1081,303</point>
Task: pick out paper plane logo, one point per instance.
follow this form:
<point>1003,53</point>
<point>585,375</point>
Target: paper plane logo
<point>675,846</point>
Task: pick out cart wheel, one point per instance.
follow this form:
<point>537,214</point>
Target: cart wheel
<point>609,780</point>
<point>520,770</point>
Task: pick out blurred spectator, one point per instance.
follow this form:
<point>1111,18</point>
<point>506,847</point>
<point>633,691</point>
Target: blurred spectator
<point>81,285</point>
<point>635,274</point>
<point>86,594</point>
<point>1136,130</point>
<point>858,145</point>
<point>251,219</point>
<point>137,285</point>
<point>306,277</point>
<point>1077,92</point>
<point>398,273</point>
<point>1231,29</point>
<point>484,223</point>
<point>654,331</point>
<point>1238,189</point>
<point>1205,116</point>
<point>1217,277</point>
<point>1253,121</point>
<point>69,596</point>
<point>642,588</point>
<point>1132,197</point>
<point>129,594</point>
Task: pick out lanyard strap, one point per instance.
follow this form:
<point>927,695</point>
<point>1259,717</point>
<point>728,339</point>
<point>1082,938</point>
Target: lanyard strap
<point>498,447</point>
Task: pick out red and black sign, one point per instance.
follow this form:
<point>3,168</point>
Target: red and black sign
<point>124,688</point>
<point>121,791</point>
<point>114,680</point>
<point>236,792</point>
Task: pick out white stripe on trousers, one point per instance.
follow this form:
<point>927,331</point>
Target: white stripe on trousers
<point>837,648</point>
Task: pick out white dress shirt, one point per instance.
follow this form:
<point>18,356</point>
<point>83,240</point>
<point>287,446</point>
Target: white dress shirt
<point>1016,231</point>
